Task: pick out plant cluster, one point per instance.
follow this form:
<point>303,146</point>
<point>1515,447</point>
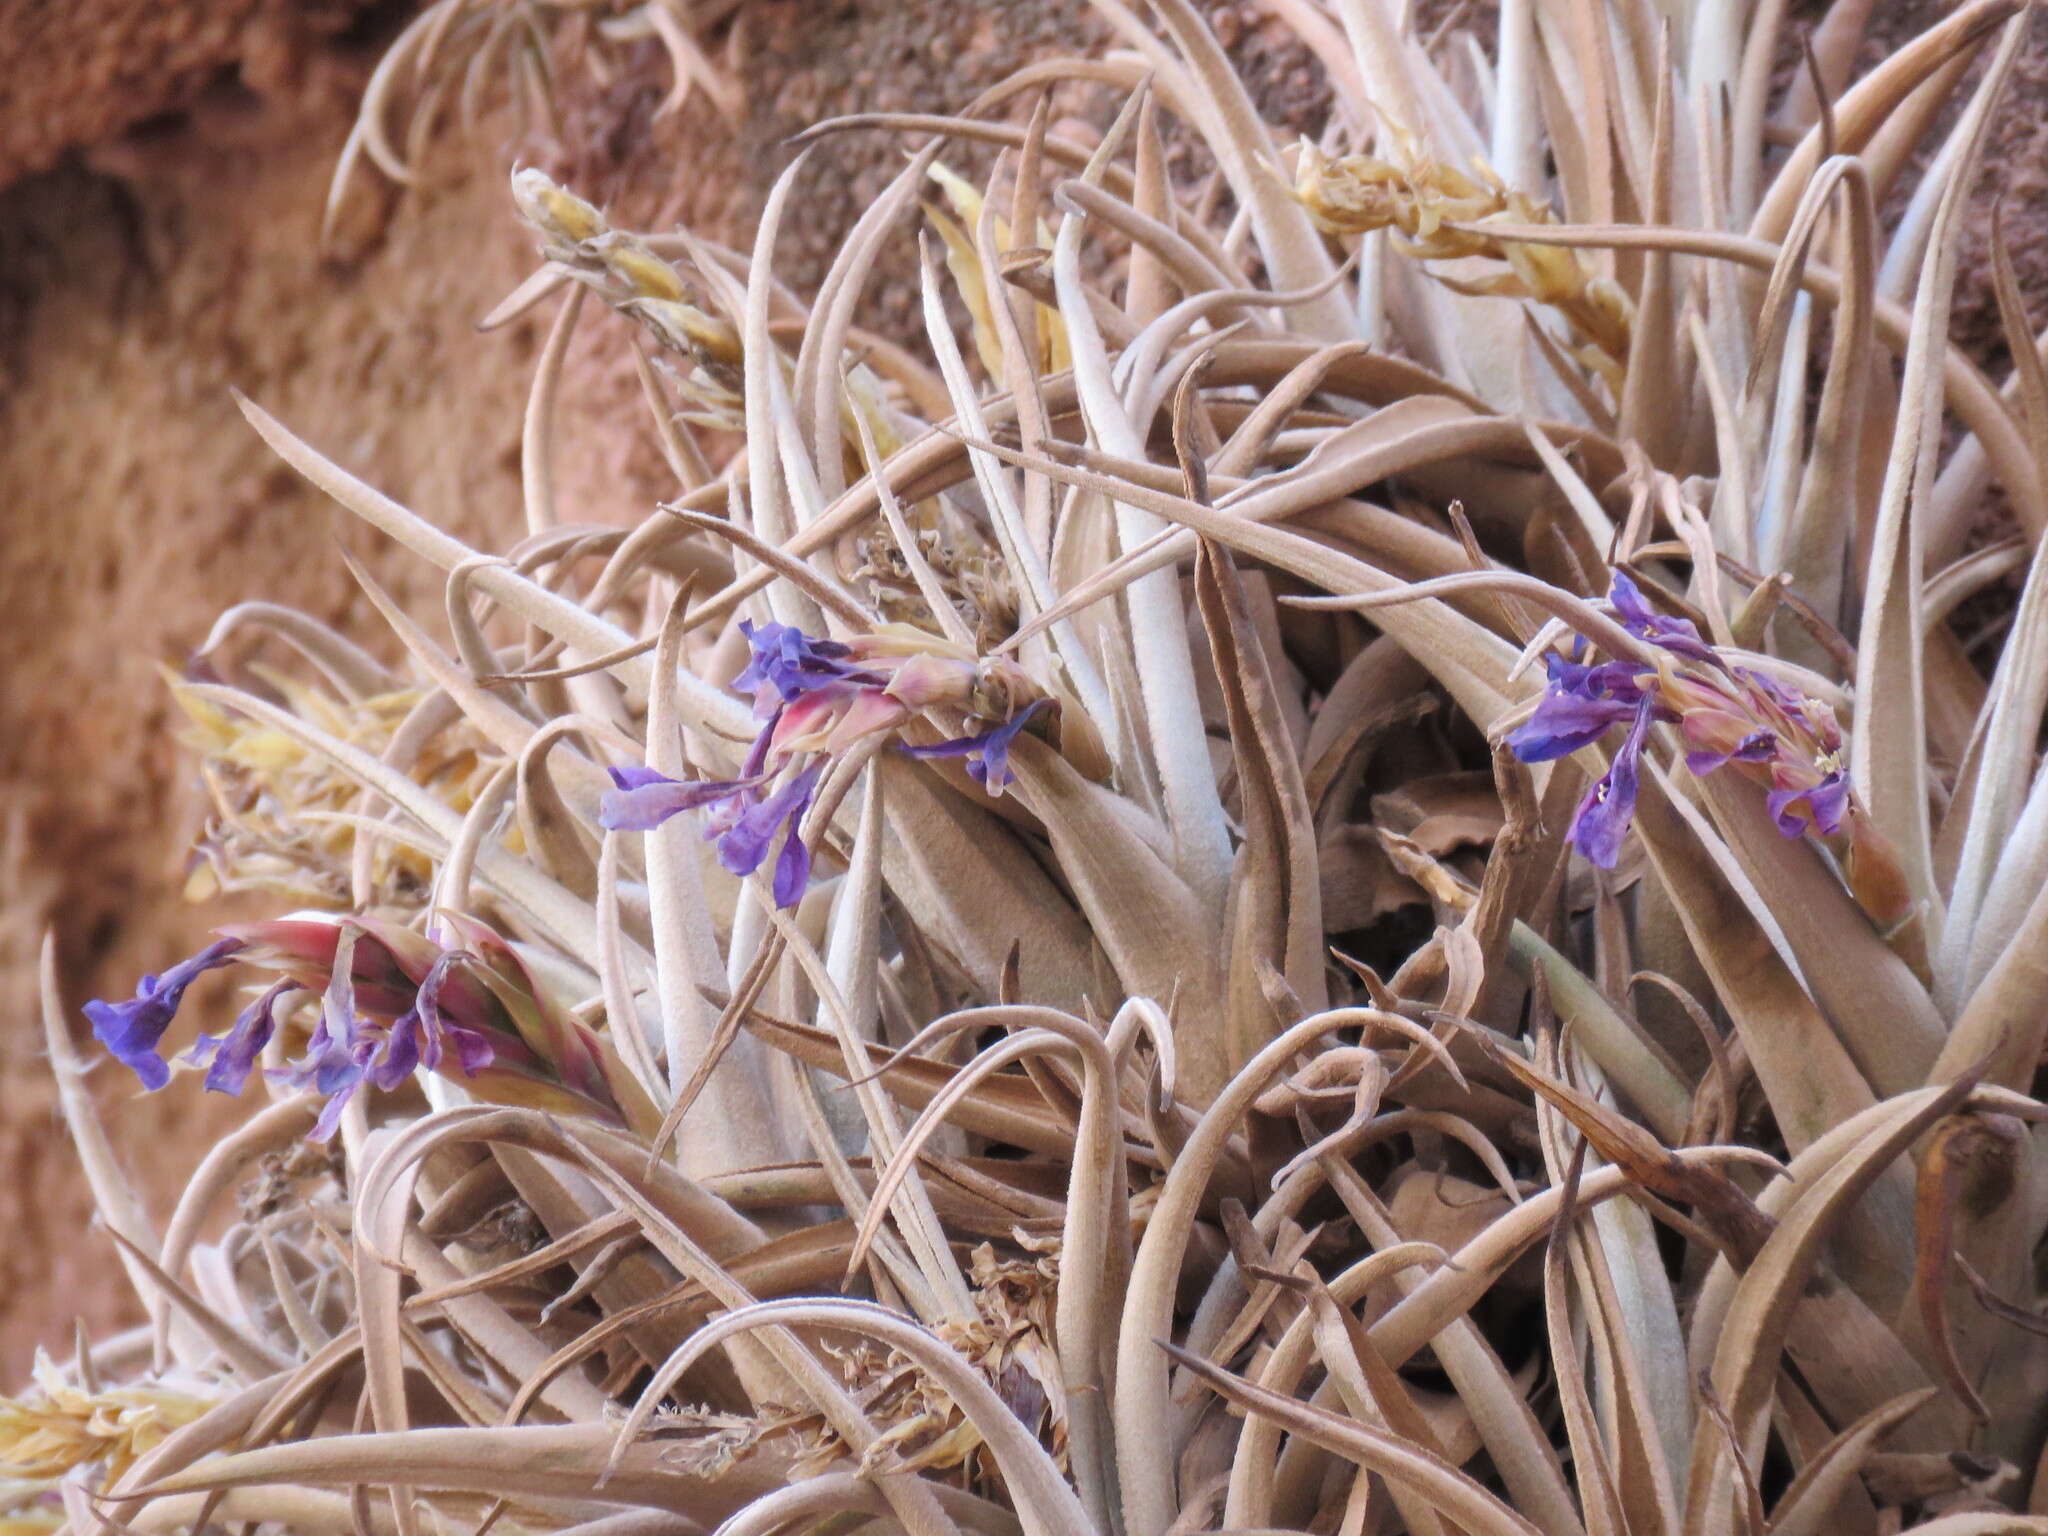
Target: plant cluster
<point>1331,868</point>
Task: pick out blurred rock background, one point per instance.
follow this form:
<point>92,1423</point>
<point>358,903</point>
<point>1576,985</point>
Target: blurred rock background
<point>163,164</point>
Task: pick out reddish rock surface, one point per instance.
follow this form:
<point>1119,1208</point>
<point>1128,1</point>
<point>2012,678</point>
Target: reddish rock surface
<point>168,160</point>
<point>143,280</point>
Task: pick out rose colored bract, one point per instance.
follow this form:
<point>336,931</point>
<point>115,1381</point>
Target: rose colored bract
<point>392,1003</point>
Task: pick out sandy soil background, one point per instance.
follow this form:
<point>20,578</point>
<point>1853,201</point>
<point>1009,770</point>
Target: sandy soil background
<point>162,169</point>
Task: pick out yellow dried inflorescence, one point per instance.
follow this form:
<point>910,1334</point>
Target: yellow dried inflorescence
<point>58,1426</point>
<point>1438,214</point>
<point>637,281</point>
<point>273,825</point>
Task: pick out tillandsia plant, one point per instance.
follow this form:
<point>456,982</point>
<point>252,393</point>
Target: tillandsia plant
<point>1331,868</point>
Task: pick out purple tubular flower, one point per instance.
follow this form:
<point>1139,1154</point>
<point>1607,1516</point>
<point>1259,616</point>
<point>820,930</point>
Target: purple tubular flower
<point>396,1058</point>
<point>338,1055</point>
<point>132,1030</point>
<point>421,1036</point>
<point>991,769</point>
<point>1756,747</point>
<point>230,1058</point>
<point>1581,704</point>
<point>333,1066</point>
<point>1608,679</point>
<point>1825,803</point>
<point>742,823</point>
<point>792,868</point>
<point>1678,636</point>
<point>644,799</point>
<point>787,664</point>
<point>1610,805</point>
<point>988,751</point>
<point>1565,722</point>
<point>1785,698</point>
<point>743,843</point>
<point>473,1051</point>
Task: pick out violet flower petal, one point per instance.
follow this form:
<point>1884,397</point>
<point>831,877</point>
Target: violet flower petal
<point>131,1031</point>
<point>989,749</point>
<point>1782,803</point>
<point>1829,801</point>
<point>340,1044</point>
<point>330,1112</point>
<point>1607,679</point>
<point>743,845</point>
<point>1565,722</point>
<point>792,868</point>
<point>637,776</point>
<point>1825,804</point>
<point>1603,817</point>
<point>644,799</point>
<point>1678,636</point>
<point>233,1055</point>
<point>332,1066</point>
<point>1582,703</point>
<point>1756,747</point>
<point>952,746</point>
<point>992,771</point>
<point>329,1062</point>
<point>1787,699</point>
<point>786,664</point>
<point>397,1055</point>
<point>473,1051</point>
<point>757,755</point>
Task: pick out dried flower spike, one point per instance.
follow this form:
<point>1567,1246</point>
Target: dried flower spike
<point>1441,214</point>
<point>58,1426</point>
